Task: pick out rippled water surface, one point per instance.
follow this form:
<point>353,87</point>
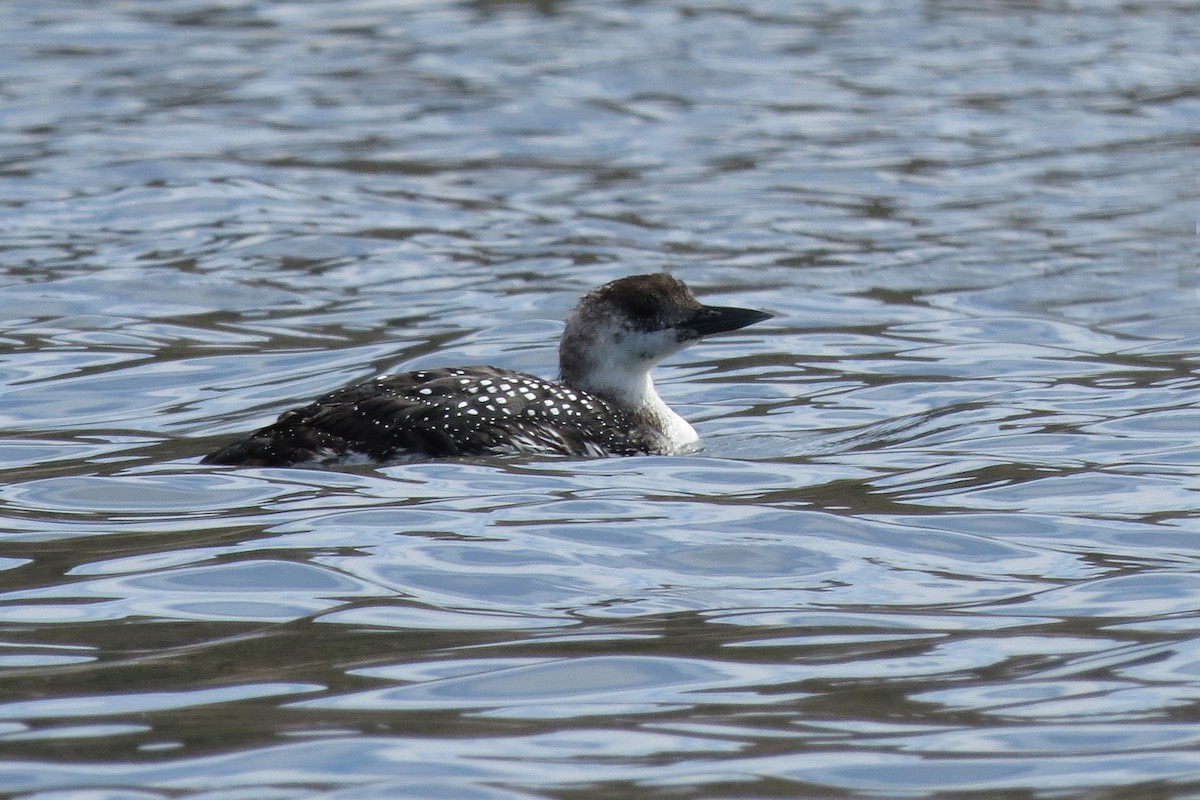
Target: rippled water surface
<point>943,539</point>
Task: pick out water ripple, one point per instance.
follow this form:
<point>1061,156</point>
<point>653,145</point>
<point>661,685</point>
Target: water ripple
<point>942,535</point>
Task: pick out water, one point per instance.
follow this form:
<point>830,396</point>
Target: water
<point>942,541</point>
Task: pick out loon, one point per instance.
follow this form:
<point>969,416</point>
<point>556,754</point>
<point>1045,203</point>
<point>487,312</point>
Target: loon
<point>604,403</point>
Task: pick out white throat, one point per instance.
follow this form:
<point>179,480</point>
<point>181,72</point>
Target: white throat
<point>634,390</point>
<point>679,433</point>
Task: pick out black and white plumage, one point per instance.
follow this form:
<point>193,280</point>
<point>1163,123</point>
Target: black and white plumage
<point>604,403</point>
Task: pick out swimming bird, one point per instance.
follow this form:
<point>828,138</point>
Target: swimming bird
<point>603,404</point>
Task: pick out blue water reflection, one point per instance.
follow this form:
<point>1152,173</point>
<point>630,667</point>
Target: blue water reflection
<point>941,539</point>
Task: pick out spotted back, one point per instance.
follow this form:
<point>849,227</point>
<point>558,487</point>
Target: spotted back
<point>445,412</point>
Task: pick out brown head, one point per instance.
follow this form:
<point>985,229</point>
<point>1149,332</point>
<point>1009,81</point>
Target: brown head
<point>620,330</point>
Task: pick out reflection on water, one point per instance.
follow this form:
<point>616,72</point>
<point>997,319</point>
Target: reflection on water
<point>943,534</point>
